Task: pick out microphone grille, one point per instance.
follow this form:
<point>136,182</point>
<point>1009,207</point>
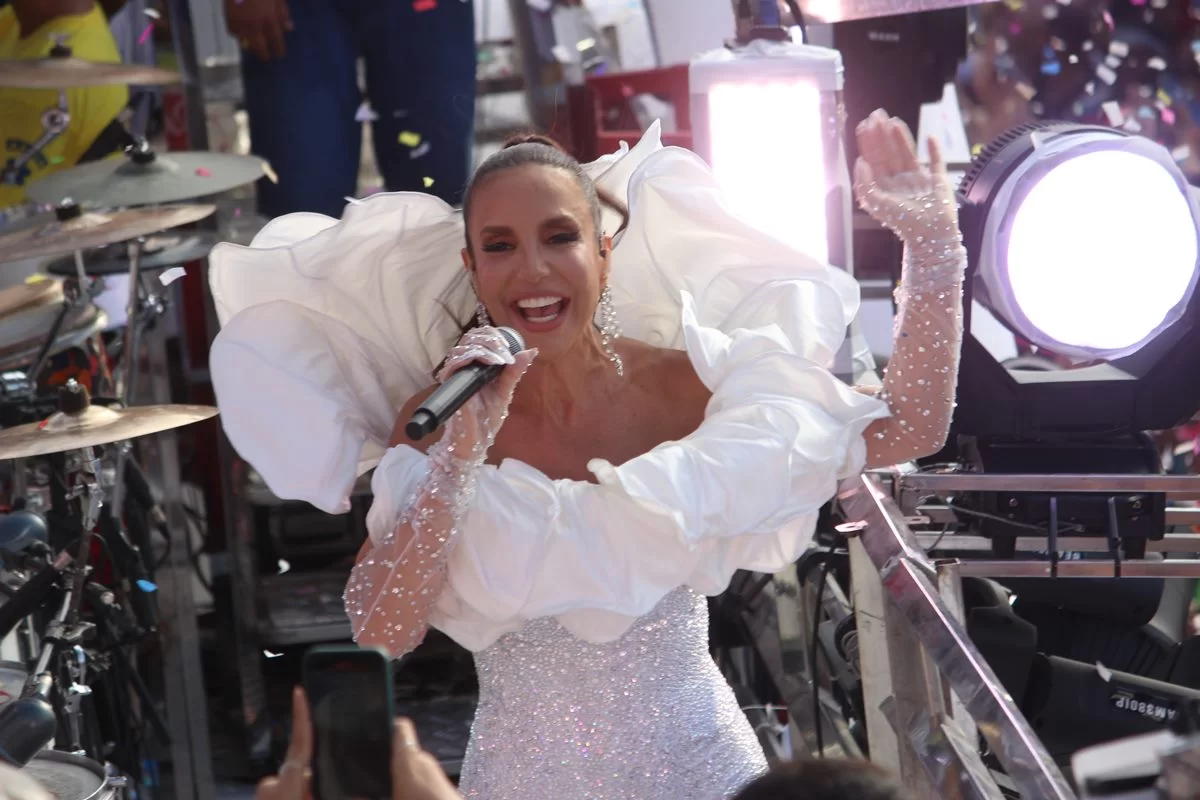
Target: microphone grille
<point>515,343</point>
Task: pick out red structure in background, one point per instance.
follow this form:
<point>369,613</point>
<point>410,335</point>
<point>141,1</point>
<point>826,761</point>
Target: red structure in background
<point>602,115</point>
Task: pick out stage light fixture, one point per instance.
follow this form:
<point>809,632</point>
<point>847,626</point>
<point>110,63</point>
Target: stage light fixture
<point>1085,242</point>
<point>768,118</point>
<point>1089,249</point>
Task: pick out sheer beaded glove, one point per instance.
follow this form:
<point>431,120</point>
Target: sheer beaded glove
<point>918,204</point>
<point>395,584</point>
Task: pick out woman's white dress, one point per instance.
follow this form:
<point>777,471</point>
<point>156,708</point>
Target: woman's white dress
<point>582,602</point>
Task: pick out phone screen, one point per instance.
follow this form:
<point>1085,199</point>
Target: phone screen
<point>349,694</point>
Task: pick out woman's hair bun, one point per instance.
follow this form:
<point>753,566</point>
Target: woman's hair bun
<point>531,138</point>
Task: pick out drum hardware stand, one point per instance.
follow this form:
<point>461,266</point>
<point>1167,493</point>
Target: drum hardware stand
<point>54,122</point>
<point>126,385</point>
<point>75,297</point>
<point>186,701</point>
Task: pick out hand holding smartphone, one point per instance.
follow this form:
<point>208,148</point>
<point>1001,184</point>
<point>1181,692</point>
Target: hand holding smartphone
<point>350,698</point>
<point>385,753</point>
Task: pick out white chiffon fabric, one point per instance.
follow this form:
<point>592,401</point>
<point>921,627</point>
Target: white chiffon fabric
<point>329,327</point>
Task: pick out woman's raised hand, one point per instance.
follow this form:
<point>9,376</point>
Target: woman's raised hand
<point>894,187</point>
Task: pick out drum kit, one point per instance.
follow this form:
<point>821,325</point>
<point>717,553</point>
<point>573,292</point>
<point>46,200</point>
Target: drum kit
<point>76,571</point>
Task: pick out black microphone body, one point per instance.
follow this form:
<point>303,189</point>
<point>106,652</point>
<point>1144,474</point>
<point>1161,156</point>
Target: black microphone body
<point>456,390</point>
<point>29,597</point>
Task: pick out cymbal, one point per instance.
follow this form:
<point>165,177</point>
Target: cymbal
<point>69,229</point>
<point>95,425</point>
<point>68,72</point>
<point>144,177</point>
<point>160,252</point>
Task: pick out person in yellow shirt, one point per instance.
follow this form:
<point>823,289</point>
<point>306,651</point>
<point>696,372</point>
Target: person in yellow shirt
<point>29,29</point>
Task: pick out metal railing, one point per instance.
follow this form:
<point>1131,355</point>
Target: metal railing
<point>926,687</point>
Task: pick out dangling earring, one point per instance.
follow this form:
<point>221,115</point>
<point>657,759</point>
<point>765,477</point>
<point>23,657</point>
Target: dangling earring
<point>610,330</point>
<point>482,319</point>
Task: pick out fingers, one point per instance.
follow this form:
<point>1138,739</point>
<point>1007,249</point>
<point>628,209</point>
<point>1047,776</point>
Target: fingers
<point>903,148</point>
<point>301,745</point>
<point>256,43</point>
<point>416,775</point>
<point>482,345</point>
<point>273,33</point>
<point>404,738</point>
<point>937,162</point>
<point>887,145</point>
<point>268,789</point>
<point>292,782</point>
<point>285,16</point>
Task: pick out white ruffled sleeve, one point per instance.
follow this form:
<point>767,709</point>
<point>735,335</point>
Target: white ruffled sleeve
<point>742,492</point>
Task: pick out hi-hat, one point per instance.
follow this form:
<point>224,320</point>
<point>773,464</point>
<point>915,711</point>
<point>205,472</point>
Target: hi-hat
<point>94,426</point>
<point>144,178</point>
<point>69,229</point>
<point>68,72</point>
<point>159,252</point>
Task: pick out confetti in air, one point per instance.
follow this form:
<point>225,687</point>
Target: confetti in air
<point>203,172</point>
<point>1112,111</point>
<point>420,150</point>
<point>424,5</point>
<point>57,159</point>
<point>428,182</point>
<point>169,276</point>
<point>365,113</point>
<point>269,654</point>
<point>409,139</point>
<point>146,34</point>
<point>284,566</point>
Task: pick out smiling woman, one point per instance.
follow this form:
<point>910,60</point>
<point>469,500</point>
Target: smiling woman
<point>567,522</point>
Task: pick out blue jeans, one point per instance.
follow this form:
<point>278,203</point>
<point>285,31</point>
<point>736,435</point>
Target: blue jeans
<point>420,79</point>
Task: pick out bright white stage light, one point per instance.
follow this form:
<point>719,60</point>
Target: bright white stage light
<point>767,118</point>
<point>1090,243</point>
<point>768,156</point>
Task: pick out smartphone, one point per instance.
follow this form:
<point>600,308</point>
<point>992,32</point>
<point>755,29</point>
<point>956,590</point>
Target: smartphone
<point>350,698</point>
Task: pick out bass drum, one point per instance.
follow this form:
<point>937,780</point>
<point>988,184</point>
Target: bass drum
<point>70,777</point>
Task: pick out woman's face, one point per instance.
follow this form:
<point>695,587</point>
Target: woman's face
<point>537,262</point>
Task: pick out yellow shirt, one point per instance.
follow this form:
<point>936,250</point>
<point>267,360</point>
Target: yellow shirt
<point>21,110</point>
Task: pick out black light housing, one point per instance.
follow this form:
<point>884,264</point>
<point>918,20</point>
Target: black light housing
<point>1154,387</point>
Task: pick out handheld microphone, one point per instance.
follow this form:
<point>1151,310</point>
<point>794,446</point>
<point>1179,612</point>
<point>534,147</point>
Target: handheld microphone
<point>458,389</point>
<point>29,597</point>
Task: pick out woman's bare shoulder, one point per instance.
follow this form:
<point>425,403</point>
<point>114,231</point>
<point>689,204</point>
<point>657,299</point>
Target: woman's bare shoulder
<point>671,376</point>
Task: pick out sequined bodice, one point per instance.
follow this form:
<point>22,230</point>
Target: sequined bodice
<point>646,717</point>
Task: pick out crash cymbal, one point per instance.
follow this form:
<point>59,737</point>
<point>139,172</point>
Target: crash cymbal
<point>94,426</point>
<point>69,229</point>
<point>68,72</point>
<point>159,252</point>
<point>144,177</point>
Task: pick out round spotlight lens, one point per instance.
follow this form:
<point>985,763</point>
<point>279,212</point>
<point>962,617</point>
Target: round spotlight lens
<point>1101,249</point>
